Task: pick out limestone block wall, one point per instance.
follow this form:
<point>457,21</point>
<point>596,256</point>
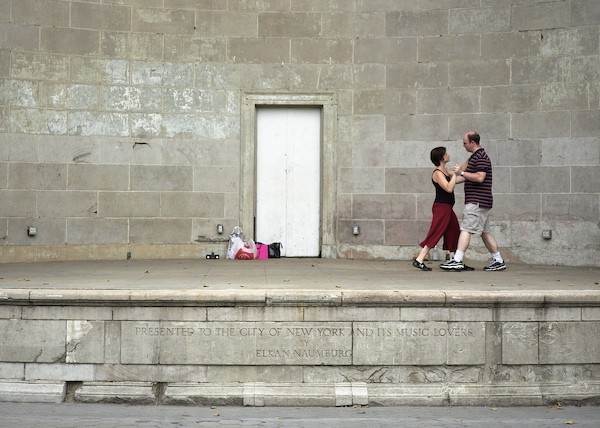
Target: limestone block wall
<point>120,122</point>
<point>272,349</point>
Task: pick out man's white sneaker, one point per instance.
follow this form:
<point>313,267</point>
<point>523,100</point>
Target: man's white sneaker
<point>495,265</point>
<point>452,265</point>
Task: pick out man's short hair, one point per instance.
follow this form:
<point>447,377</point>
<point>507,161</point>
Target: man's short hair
<point>474,136</point>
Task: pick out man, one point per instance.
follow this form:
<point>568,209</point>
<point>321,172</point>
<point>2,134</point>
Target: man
<point>477,173</point>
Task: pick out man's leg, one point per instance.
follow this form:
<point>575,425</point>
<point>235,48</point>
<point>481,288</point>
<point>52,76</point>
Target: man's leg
<point>490,242</point>
<point>464,239</point>
<point>492,246</point>
<point>456,262</point>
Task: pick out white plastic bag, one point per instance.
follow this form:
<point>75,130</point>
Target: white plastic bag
<point>240,248</point>
<point>247,252</point>
<point>235,244</point>
<point>236,241</point>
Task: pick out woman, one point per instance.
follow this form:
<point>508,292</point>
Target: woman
<point>444,222</point>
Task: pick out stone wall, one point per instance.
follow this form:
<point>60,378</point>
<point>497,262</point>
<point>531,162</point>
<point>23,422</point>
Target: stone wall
<point>120,121</point>
<point>311,348</point>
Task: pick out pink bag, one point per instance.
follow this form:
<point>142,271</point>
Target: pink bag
<point>247,251</point>
<point>262,251</point>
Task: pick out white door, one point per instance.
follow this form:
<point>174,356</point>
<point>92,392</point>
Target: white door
<point>288,179</point>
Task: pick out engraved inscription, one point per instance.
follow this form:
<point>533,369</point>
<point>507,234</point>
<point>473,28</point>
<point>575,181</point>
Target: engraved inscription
<point>415,332</point>
<point>310,343</point>
<point>237,343</point>
<point>303,353</point>
<point>433,342</point>
<point>163,331</point>
<point>239,331</point>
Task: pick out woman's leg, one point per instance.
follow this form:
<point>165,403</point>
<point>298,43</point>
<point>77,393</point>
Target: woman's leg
<point>422,254</point>
<point>451,233</point>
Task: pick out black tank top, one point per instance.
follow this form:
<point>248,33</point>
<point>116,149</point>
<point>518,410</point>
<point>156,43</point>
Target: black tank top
<point>441,195</point>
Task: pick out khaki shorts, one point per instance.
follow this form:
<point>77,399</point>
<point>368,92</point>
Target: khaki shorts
<point>475,219</point>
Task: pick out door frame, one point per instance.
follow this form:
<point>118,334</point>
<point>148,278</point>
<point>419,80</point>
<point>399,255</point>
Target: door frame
<point>249,104</point>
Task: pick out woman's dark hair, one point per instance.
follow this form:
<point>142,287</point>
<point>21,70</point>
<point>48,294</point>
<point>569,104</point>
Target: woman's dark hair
<point>437,155</point>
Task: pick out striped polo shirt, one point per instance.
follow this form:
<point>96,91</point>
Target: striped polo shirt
<point>479,193</point>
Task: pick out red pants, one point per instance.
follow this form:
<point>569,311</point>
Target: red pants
<point>444,223</point>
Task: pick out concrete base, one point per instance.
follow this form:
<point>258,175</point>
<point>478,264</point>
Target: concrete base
<point>346,346</point>
<point>258,394</point>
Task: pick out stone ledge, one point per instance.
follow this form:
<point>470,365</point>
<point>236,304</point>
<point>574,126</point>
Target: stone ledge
<point>359,393</point>
<point>264,394</point>
<point>498,395</point>
<point>525,395</point>
<point>258,394</point>
<point>572,394</point>
<point>204,394</point>
<point>116,392</point>
<point>393,297</point>
<point>408,395</point>
<point>299,297</point>
<point>355,298</point>
<point>32,392</point>
<point>525,298</point>
<point>174,297</point>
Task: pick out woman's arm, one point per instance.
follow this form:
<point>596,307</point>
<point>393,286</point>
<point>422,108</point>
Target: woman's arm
<point>440,178</point>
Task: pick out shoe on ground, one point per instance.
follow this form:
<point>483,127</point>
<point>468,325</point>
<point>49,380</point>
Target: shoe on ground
<point>494,266</point>
<point>420,265</point>
<point>453,265</point>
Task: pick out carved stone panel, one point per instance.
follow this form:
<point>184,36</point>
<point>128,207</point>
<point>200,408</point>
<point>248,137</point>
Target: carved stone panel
<point>569,343</point>
<point>520,343</point>
<point>236,343</point>
<point>429,343</point>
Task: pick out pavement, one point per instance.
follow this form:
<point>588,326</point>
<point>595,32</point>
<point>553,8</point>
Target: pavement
<point>35,415</point>
<point>289,274</point>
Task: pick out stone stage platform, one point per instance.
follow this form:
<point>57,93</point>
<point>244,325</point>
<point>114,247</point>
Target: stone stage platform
<point>321,332</point>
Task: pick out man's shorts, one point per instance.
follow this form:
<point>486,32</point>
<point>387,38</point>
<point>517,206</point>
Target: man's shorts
<point>475,219</point>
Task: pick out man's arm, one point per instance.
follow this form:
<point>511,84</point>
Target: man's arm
<point>476,177</point>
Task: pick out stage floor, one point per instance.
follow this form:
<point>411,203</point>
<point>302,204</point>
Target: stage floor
<point>290,274</point>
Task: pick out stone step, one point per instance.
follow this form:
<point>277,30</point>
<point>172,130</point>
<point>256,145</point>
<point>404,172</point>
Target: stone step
<point>32,391</point>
